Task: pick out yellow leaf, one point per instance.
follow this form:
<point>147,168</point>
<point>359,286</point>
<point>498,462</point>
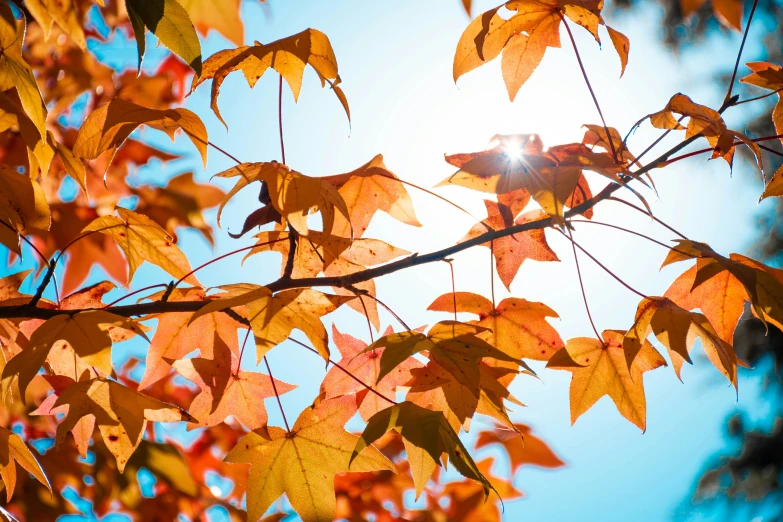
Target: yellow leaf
<point>143,240</point>
<point>599,368</point>
<point>14,70</point>
<point>292,194</point>
<point>13,448</point>
<point>171,24</point>
<point>107,127</point>
<point>23,207</point>
<point>288,56</point>
<point>425,429</point>
<point>121,414</point>
<point>86,332</point>
<point>302,463</point>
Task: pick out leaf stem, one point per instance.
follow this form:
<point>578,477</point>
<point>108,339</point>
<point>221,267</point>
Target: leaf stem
<point>277,395</point>
<point>140,290</point>
<point>280,118</point>
<point>607,270</point>
<point>589,86</point>
<point>348,373</point>
<point>582,286</point>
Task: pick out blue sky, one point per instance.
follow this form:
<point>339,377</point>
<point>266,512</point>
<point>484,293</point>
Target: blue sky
<point>395,62</point>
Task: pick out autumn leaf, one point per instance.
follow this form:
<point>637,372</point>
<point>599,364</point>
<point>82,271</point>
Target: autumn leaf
<point>424,429</point>
<point>677,329</point>
<point>227,390</point>
<point>520,162</point>
<point>599,368</point>
<point>169,21</point>
<point>729,12</point>
<point>274,317</point>
<point>179,204</point>
<point>705,122</point>
<point>222,16</point>
<point>522,447</point>
<point>86,332</point>
<point>291,193</point>
<point>302,462</point>
<point>15,72</point>
<point>288,56</point>
<point>359,370</point>
<point>121,414</point>
<point>721,299</point>
<point>512,250</point>
<point>534,25</point>
<point>14,451</point>
<point>141,239</point>
<point>516,327</point>
<point>453,345</point>
<point>23,206</point>
<point>335,257</point>
<point>366,190</point>
<point>68,221</point>
<point>435,388</point>
<point>107,127</point>
<point>764,287</point>
<point>176,335</point>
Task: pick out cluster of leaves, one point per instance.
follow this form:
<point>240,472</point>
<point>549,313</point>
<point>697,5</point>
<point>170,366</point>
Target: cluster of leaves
<point>416,389</point>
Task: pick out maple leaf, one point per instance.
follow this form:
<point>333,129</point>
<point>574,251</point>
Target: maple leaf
<point>516,327</point>
<point>366,190</point>
<point>13,448</point>
<point>677,329</point>
<point>169,21</point>
<point>121,414</point>
<point>67,15</point>
<point>291,193</point>
<point>599,368</point>
<point>523,38</point>
<point>274,317</point>
<point>288,56</point>
<point>68,221</point>
<point>141,239</point>
<point>177,335</point>
<point>86,332</point>
<point>729,12</point>
<point>360,370</point>
<point>435,388</point>
<point>425,429</point>
<point>179,203</point>
<point>551,176</point>
<point>302,462</point>
<point>453,345</point>
<point>223,17</point>
<point>23,206</point>
<point>763,285</point>
<point>108,126</point>
<point>521,446</point>
<point>721,299</point>
<point>512,250</point>
<point>227,390</point>
<point>706,122</point>
<point>83,429</point>
<point>334,256</point>
<point>15,71</point>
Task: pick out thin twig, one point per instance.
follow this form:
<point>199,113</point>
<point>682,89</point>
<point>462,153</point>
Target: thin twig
<point>742,46</point>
